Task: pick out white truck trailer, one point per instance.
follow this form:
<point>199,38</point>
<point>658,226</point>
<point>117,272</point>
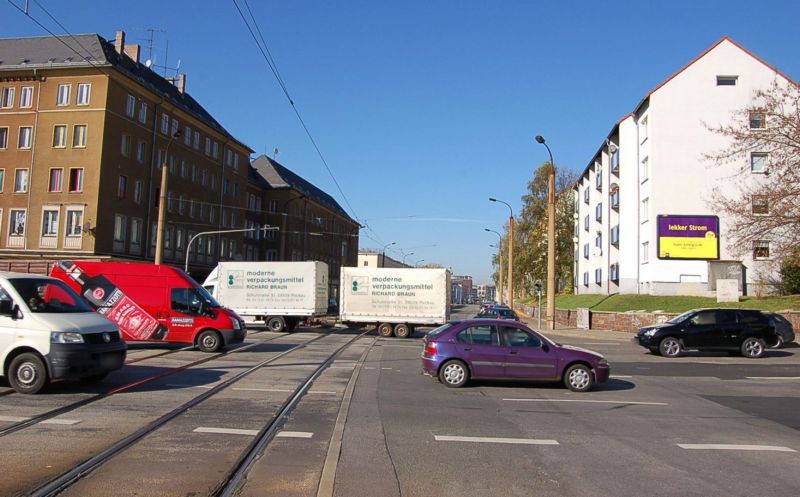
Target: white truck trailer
<point>395,300</point>
<point>276,294</point>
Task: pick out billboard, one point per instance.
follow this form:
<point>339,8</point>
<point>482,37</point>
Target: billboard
<point>688,237</point>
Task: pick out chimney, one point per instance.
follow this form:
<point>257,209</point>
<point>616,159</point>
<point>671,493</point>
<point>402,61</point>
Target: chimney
<point>119,42</point>
<point>182,83</point>
<point>132,51</point>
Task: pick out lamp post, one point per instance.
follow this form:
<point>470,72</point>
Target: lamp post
<point>551,238</point>
<point>510,252</point>
<point>285,222</point>
<point>384,253</point>
<point>417,263</point>
<point>162,201</point>
<point>499,256</point>
<point>406,255</point>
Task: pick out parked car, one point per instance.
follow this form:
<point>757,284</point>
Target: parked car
<point>498,313</point>
<point>499,349</point>
<point>742,331</point>
<point>783,329</point>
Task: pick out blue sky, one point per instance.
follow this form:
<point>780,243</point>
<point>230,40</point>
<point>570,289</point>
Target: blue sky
<point>424,109</point>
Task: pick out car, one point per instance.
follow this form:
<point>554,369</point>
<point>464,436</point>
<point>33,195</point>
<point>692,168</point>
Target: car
<point>783,329</point>
<point>744,331</point>
<point>460,351</point>
<point>498,313</point>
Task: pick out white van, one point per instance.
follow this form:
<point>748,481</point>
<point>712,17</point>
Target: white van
<point>48,332</point>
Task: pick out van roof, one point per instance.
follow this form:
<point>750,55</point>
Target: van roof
<point>9,274</point>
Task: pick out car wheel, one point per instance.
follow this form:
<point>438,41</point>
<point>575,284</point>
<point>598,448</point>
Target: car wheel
<point>385,330</point>
<point>209,341</point>
<point>778,343</point>
<point>402,330</point>
<point>454,374</point>
<point>753,348</point>
<point>94,378</point>
<point>670,347</point>
<point>276,324</point>
<point>579,378</point>
<point>27,373</point>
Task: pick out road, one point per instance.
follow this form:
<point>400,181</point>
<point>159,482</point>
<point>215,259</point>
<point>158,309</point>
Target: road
<point>373,425</point>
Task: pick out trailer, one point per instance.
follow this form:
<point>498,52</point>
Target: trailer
<point>395,300</point>
<point>279,295</point>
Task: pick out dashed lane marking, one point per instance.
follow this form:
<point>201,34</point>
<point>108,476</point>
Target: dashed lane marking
<point>771,448</point>
<point>225,431</point>
<point>326,392</point>
<point>635,403</point>
<point>295,434</point>
<point>773,377</point>
<point>493,440</point>
<point>621,376</point>
<point>53,421</point>
<point>181,385</point>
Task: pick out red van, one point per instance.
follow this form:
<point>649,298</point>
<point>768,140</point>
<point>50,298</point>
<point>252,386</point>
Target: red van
<point>153,303</point>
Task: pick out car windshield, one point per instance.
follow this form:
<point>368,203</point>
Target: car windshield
<point>506,312</point>
<point>681,318</point>
<point>207,297</point>
<point>48,296</point>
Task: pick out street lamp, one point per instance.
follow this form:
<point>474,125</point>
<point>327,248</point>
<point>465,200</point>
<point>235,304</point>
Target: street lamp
<point>406,255</point>
<point>162,202</point>
<point>417,263</point>
<point>384,253</point>
<point>551,238</point>
<point>500,256</point>
<point>510,252</point>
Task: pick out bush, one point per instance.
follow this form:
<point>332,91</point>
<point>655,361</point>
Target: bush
<point>790,278</point>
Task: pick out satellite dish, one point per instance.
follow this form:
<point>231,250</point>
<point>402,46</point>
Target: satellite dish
<point>148,63</point>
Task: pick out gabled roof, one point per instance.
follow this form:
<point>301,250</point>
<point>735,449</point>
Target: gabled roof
<point>279,176</point>
<point>48,52</point>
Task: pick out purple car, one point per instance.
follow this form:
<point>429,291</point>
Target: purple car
<point>502,349</point>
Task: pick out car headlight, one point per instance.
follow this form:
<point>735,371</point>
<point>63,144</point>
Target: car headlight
<point>649,332</point>
<point>65,337</point>
<point>235,324</point>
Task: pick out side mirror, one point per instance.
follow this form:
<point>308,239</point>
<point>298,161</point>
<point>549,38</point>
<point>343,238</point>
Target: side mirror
<point>545,347</point>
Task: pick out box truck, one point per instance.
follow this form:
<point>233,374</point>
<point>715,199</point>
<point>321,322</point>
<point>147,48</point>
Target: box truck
<point>277,294</point>
<point>154,303</point>
<point>395,300</point>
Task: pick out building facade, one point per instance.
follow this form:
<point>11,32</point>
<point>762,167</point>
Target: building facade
<point>376,258</point>
<point>650,177</point>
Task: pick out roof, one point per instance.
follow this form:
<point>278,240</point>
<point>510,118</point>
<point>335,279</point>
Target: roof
<point>277,175</point>
<point>49,52</point>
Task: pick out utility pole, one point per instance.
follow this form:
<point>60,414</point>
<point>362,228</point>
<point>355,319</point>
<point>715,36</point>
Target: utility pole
<point>162,201</point>
<point>551,238</point>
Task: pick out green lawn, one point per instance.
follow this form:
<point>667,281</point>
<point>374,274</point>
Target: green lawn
<point>622,303</point>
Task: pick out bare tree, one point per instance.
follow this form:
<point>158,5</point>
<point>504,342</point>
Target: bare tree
<point>764,207</point>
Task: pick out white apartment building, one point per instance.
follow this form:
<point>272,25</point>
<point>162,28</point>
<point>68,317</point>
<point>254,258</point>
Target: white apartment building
<point>652,164</point>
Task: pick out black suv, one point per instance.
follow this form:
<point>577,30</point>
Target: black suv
<point>735,330</point>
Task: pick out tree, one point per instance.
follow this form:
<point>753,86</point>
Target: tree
<point>766,207</point>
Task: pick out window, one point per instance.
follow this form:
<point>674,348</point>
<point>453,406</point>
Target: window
<point>215,150</point>
<point>2,179</point>
<point>758,162</point>
<point>615,162</point>
<point>170,201</point>
<point>598,241</point>
<point>162,157</point>
<point>598,276</point>
<point>194,173</point>
<point>196,140</point>
<point>231,249</point>
<point>645,252</point>
<point>760,250</point>
<point>180,239</point>
<point>26,97</point>
<point>49,222</point>
<point>136,231</point>
<point>76,179</point>
<point>615,199</point>
<point>727,80</point>
<point>25,136</point>
<point>74,222</point>
<point>760,204</point>
<point>137,191</point>
<point>79,136</point>
<point>84,89</point>
<point>585,250</point>
<point>187,135</point>
<point>20,181</point>
<point>643,130</point>
<point>188,301</point>
<point>184,169</point>
<point>175,126</point>
<point>613,272</point>
<point>598,177</point>
<point>235,190</point>
<point>164,124</point>
<point>225,186</point>
<point>598,212</point>
<point>59,136</point>
<point>213,182</point>
<point>125,147</point>
<point>130,106</point>
<point>173,164</point>
<point>181,204</point>
<point>119,227</point>
<point>63,94</point>
<point>210,247</point>
<point>7,97</point>
<point>586,278</point>
<point>3,138</point>
<point>273,206</point>
<point>586,223</point>
<point>142,112</point>
<point>615,235</point>
<point>586,196</point>
<point>645,210</point>
<point>56,178</point>
<point>141,152</point>
<point>122,187</point>
<point>644,175</point>
<point>192,208</point>
<point>208,146</point>
<point>16,225</point>
<point>514,337</point>
<point>758,120</point>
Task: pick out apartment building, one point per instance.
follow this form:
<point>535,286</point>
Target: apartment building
<point>644,219</point>
<point>84,131</point>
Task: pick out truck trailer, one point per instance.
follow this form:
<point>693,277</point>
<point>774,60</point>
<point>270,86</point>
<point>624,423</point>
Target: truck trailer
<point>277,294</point>
<point>395,300</point>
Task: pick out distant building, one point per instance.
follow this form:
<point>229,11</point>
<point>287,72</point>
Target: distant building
<point>486,292</point>
<point>375,258</point>
<point>462,289</point>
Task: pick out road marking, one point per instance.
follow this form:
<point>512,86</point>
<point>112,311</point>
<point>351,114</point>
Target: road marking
<point>711,362</point>
<point>328,392</point>
<point>282,390</point>
<point>294,434</point>
<point>181,385</point>
<point>386,368</point>
<point>418,347</point>
<point>593,401</point>
<point>225,431</point>
<point>519,441</point>
<point>773,377</point>
<point>620,376</point>
<point>773,448</point>
<point>54,421</point>
<point>601,343</point>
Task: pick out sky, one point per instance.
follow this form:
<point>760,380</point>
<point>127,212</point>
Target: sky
<point>425,109</point>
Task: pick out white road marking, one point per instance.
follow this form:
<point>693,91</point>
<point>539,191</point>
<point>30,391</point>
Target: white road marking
<point>593,401</point>
<point>773,448</point>
<point>711,362</point>
<point>294,434</point>
<point>493,440</point>
<point>54,421</point>
<point>225,431</point>
<point>601,343</point>
<point>386,368</point>
<point>328,392</point>
<point>773,377</point>
<point>13,419</point>
<point>418,347</point>
<point>621,376</point>
<point>343,367</point>
<point>284,390</point>
<point>181,385</point>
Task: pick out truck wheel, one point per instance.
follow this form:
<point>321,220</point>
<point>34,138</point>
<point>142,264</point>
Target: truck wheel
<point>276,324</point>
<point>385,329</point>
<point>27,373</point>
<point>209,341</point>
<point>402,330</point>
